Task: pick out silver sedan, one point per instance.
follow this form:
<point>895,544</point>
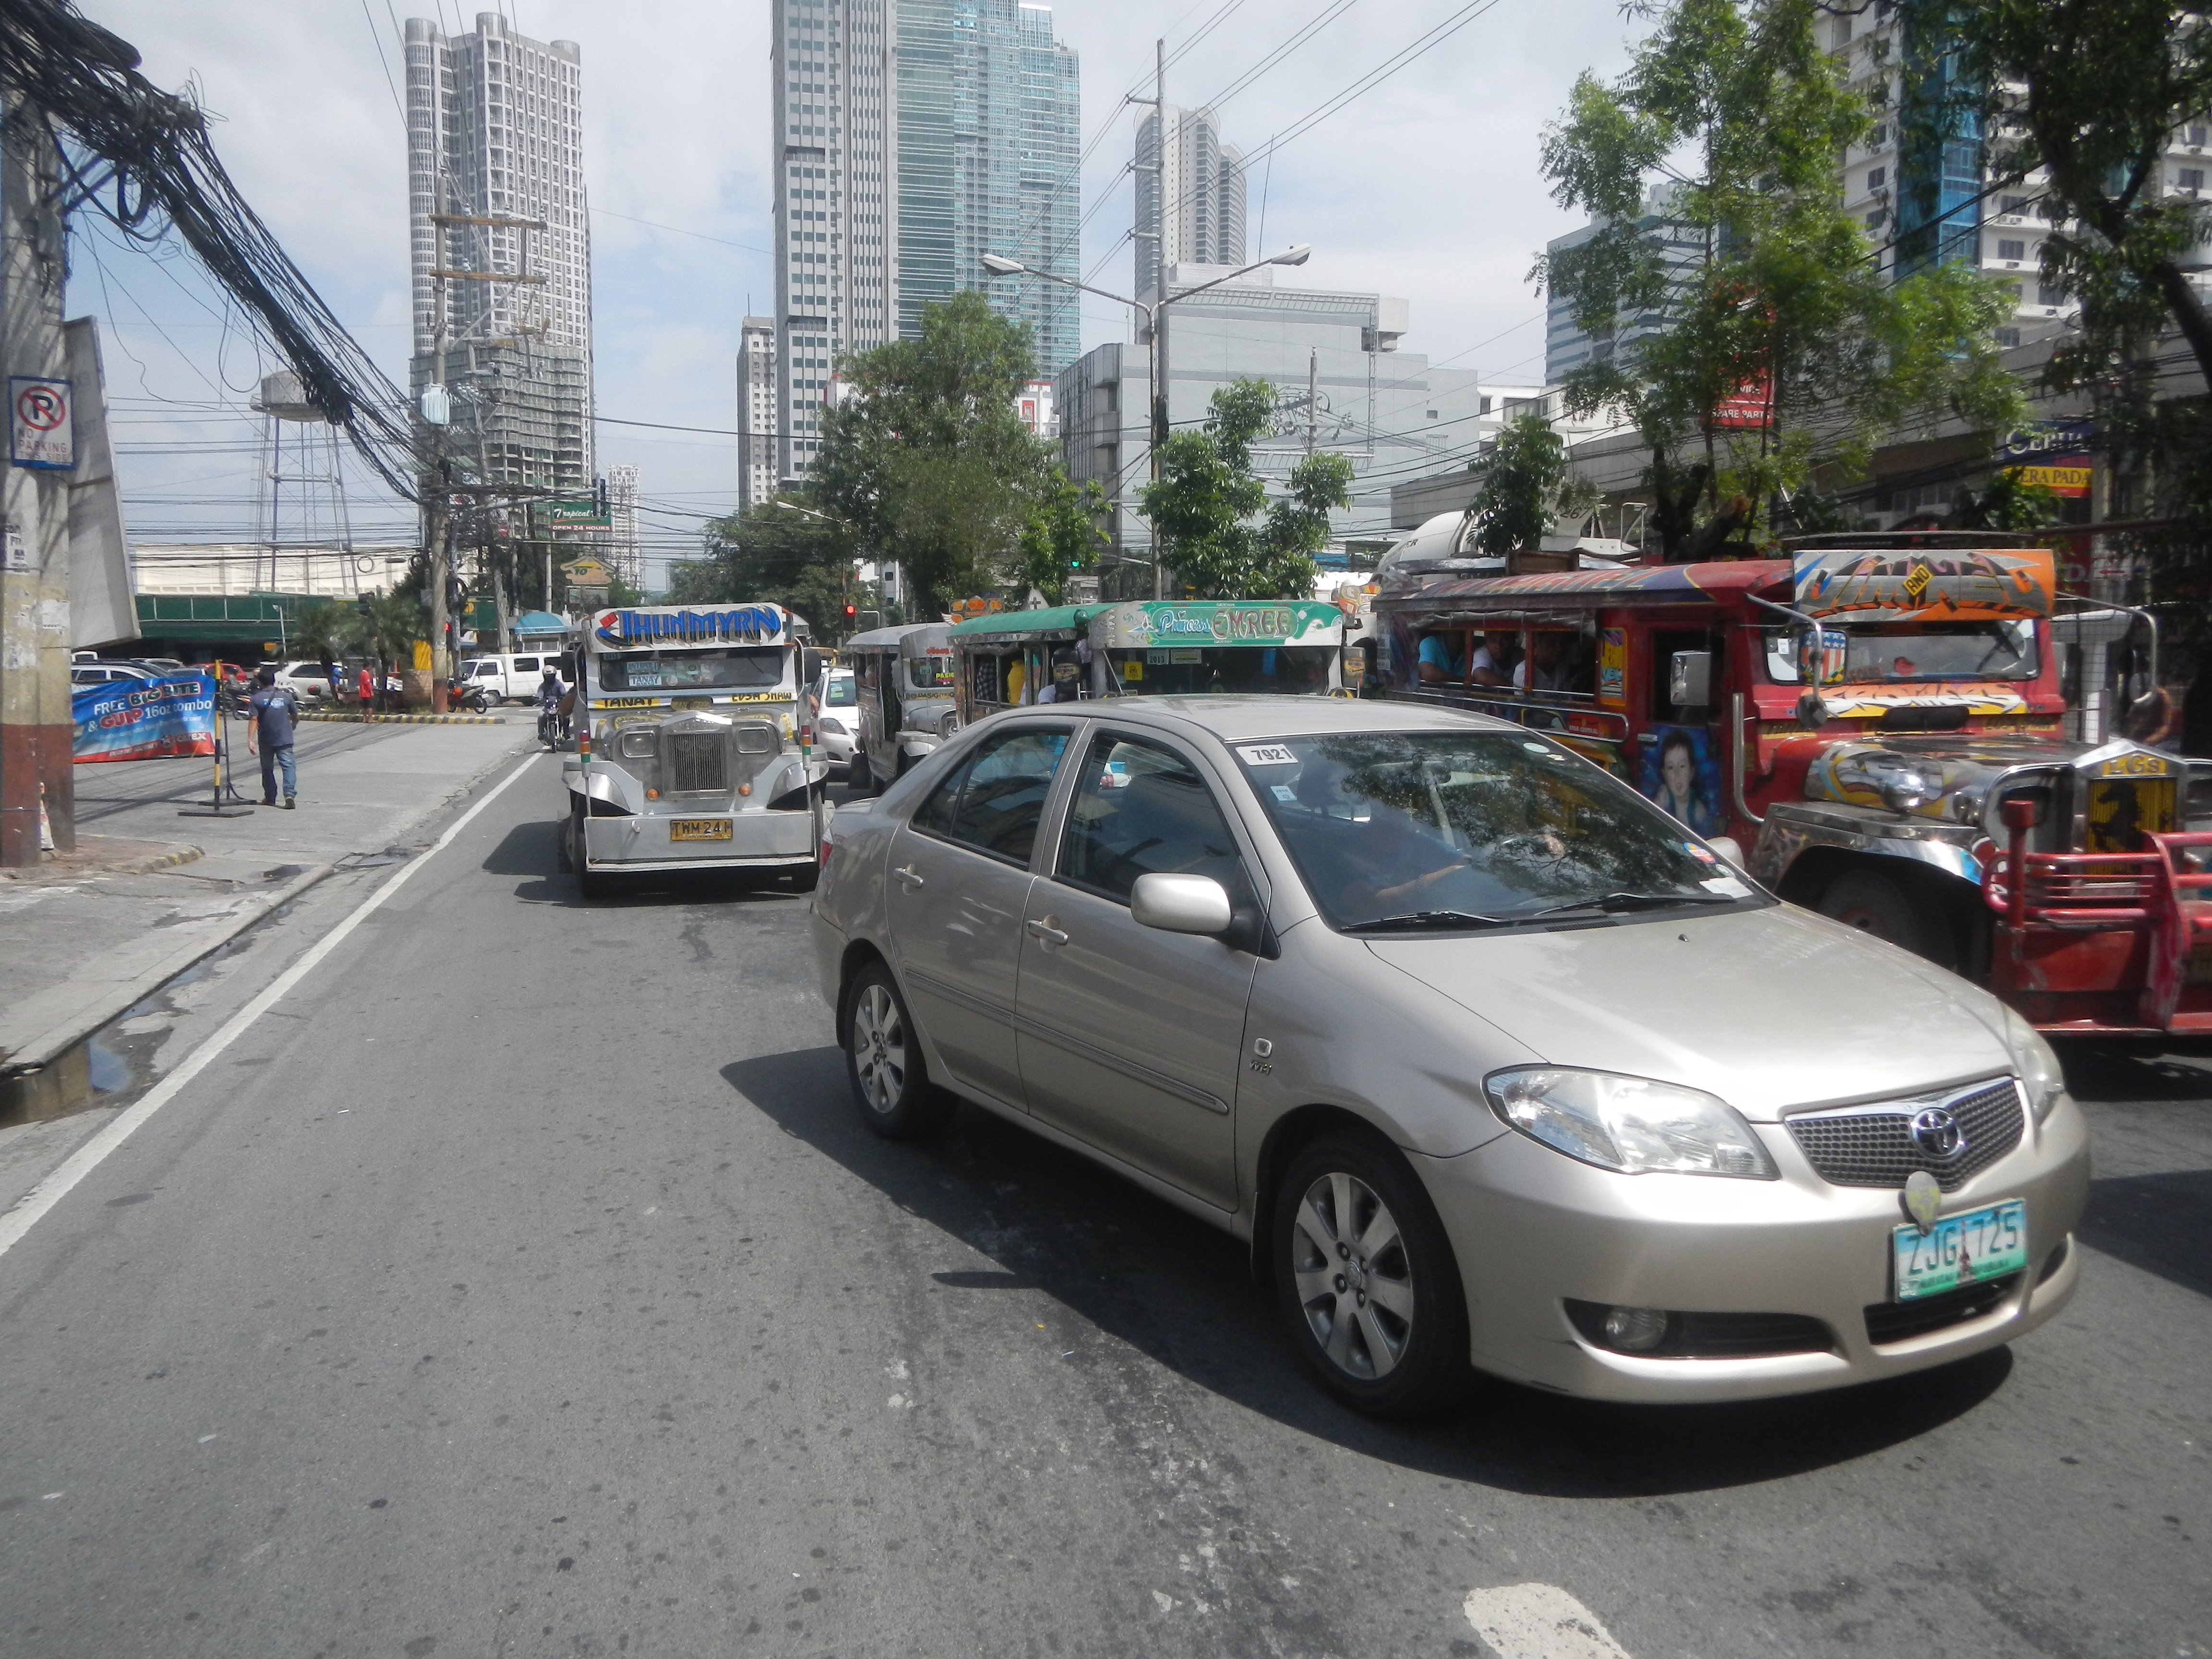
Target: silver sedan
<point>1497,1068</point>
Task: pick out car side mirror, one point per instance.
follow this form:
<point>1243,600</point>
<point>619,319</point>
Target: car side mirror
<point>1179,904</point>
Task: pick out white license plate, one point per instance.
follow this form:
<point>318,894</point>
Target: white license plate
<point>698,829</point>
<point>1959,1249</point>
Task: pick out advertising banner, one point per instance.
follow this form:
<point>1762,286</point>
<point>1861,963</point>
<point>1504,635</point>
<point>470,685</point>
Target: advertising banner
<point>1967,584</point>
<point>144,719</point>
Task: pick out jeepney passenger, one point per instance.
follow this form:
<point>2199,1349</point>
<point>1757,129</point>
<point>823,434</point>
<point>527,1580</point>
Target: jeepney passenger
<point>1546,668</point>
<point>1490,657</point>
<point>1441,660</point>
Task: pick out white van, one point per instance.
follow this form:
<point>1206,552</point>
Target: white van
<point>515,677</point>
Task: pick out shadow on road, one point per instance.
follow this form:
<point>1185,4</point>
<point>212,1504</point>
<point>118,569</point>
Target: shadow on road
<point>1180,1291</point>
<point>2161,1223</point>
<point>533,850</point>
<point>2160,1070</point>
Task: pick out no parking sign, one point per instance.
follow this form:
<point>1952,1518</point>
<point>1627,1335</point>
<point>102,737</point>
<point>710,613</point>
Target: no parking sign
<point>39,431</point>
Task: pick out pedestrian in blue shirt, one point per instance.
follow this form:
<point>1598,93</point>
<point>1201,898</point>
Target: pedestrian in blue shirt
<point>270,713</point>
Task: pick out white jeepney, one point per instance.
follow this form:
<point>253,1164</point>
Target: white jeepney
<point>694,744</point>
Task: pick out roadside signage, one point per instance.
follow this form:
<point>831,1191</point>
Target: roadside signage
<point>144,719</point>
<point>586,514</point>
<point>2068,475</point>
<point>587,572</point>
<point>40,432</point>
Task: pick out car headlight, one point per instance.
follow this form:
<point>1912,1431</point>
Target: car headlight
<point>2039,1071</point>
<point>829,723</point>
<point>1629,1124</point>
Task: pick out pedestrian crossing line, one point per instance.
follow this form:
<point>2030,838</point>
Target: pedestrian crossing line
<point>1538,1621</point>
<point>33,1204</point>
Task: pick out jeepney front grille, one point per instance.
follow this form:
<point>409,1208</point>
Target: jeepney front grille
<point>1874,1145</point>
<point>698,762</point>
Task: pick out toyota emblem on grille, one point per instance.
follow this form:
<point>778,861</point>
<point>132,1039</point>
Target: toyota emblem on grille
<point>1936,1133</point>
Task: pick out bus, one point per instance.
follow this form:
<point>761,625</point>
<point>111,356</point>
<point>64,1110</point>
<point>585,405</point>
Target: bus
<point>694,745</point>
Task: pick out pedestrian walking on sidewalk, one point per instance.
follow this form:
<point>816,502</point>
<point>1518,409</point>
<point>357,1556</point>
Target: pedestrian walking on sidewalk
<point>271,713</point>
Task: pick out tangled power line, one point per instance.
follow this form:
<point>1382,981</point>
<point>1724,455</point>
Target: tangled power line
<point>141,159</point>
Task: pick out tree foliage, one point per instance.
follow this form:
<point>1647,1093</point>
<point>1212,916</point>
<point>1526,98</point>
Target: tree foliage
<point>1526,489</point>
<point>1783,345</point>
<point>773,552</point>
<point>1210,512</point>
<point>1062,538</point>
<point>391,624</point>
<point>928,461</point>
<point>323,630</point>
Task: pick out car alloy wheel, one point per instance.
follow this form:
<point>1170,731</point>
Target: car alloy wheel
<point>1353,1279</point>
<point>1365,1278</point>
<point>883,1064</point>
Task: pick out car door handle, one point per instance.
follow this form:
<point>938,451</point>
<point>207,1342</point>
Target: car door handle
<point>1047,931</point>
<point>909,875</point>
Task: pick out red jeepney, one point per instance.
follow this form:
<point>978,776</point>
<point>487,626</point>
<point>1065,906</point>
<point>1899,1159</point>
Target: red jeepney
<point>1879,720</point>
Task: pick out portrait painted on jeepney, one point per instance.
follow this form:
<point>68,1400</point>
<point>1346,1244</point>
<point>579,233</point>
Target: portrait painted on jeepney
<point>1678,771</point>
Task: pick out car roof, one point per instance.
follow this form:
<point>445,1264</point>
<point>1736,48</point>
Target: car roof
<point>1235,718</point>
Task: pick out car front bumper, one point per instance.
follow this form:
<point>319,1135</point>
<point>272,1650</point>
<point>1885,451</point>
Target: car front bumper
<point>1532,1228</point>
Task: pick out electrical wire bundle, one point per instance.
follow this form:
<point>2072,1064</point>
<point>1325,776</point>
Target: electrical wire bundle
<point>153,149</point>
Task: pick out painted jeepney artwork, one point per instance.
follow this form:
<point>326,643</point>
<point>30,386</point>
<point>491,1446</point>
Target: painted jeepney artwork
<point>1910,585</point>
<point>1682,776</point>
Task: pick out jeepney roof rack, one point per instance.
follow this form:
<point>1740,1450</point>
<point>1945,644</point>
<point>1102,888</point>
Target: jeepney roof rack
<point>1906,541</point>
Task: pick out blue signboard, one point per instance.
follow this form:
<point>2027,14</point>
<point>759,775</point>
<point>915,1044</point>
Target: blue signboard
<point>144,719</point>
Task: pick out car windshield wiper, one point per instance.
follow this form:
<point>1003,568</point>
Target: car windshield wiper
<point>1416,918</point>
<point>1609,902</point>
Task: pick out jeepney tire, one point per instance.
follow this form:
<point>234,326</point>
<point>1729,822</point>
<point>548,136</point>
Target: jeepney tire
<point>884,1064</point>
<point>858,775</point>
<point>1876,904</point>
<point>564,857</point>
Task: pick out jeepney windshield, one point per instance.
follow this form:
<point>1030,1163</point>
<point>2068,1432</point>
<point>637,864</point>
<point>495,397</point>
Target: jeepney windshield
<point>748,667</point>
<point>931,673</point>
<point>1184,669</point>
<point>1913,652</point>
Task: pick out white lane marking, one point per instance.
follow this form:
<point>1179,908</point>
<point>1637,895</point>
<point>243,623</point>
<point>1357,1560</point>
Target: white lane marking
<point>1538,1621</point>
<point>88,1157</point>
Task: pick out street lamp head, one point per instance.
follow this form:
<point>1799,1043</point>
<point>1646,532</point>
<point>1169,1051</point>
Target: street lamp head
<point>1293,256</point>
<point>999,265</point>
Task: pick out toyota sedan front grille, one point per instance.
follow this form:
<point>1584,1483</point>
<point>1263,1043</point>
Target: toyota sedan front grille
<point>698,764</point>
<point>1880,1145</point>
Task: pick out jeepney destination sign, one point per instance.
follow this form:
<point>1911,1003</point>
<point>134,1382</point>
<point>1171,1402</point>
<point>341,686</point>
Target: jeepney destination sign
<point>753,624</point>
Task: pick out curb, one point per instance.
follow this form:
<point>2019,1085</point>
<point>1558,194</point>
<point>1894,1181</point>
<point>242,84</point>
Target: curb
<point>58,1039</point>
<point>58,871</point>
<point>146,866</point>
<point>403,720</point>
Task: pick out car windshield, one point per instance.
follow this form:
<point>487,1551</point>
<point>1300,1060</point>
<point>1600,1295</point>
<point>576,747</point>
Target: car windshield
<point>1420,828</point>
<point>839,692</point>
<point>1910,652</point>
<point>649,670</point>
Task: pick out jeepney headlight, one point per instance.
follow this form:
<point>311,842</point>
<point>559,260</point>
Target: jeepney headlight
<point>2040,1073</point>
<point>1628,1124</point>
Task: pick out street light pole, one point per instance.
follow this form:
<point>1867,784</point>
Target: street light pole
<point>1155,320</point>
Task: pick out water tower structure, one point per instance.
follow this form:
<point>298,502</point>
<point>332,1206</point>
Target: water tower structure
<point>305,529</point>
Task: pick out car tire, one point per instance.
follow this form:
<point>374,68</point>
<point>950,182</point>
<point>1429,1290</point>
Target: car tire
<point>883,1064</point>
<point>1875,905</point>
<point>1397,1356</point>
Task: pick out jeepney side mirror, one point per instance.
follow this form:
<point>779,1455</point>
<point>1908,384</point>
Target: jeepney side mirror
<point>810,665</point>
<point>1690,679</point>
<point>1729,848</point>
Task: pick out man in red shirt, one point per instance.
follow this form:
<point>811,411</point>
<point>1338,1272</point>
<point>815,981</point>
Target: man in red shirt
<point>365,688</point>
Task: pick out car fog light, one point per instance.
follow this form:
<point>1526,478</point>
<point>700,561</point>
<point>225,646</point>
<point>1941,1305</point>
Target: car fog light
<point>1632,1330</point>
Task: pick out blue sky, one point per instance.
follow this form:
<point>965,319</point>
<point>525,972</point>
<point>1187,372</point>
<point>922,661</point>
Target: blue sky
<point>1426,187</point>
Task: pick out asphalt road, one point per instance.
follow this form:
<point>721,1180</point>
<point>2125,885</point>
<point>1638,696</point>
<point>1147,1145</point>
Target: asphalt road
<point>522,1282</point>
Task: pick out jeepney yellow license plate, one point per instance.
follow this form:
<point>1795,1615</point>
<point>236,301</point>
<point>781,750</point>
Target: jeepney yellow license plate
<point>698,828</point>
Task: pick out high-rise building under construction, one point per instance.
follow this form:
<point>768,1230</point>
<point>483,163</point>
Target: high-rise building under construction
<point>501,248</point>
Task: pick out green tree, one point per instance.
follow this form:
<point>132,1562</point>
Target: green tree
<point>1062,538</point>
<point>324,631</point>
<point>2007,502</point>
<point>1783,347</point>
<point>391,622</point>
<point>926,459</point>
<point>777,553</point>
<point>1526,489</point>
<point>1210,513</point>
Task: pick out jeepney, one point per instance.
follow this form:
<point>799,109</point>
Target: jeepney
<point>693,744</point>
<point>1150,647</point>
<point>1879,719</point>
<point>903,685</point>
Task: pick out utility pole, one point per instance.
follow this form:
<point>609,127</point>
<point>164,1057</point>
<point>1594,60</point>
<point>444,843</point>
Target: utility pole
<point>36,729</point>
<point>1155,316</point>
<point>1313,386</point>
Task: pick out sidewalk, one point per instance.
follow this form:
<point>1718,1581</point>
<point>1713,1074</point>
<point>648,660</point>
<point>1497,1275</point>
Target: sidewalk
<point>81,939</point>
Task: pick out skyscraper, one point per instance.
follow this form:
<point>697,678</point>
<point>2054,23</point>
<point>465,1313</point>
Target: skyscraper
<point>495,132</point>
<point>914,137</point>
<point>1190,195</point>
<point>758,453</point>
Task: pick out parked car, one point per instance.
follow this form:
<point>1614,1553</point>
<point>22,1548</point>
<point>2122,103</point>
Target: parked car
<point>98,673</point>
<point>838,724</point>
<point>307,681</point>
<point>1497,1067</point>
<point>513,676</point>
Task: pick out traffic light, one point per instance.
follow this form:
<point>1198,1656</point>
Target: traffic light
<point>851,611</point>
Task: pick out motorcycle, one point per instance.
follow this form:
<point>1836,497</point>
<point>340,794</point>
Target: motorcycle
<point>478,699</point>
